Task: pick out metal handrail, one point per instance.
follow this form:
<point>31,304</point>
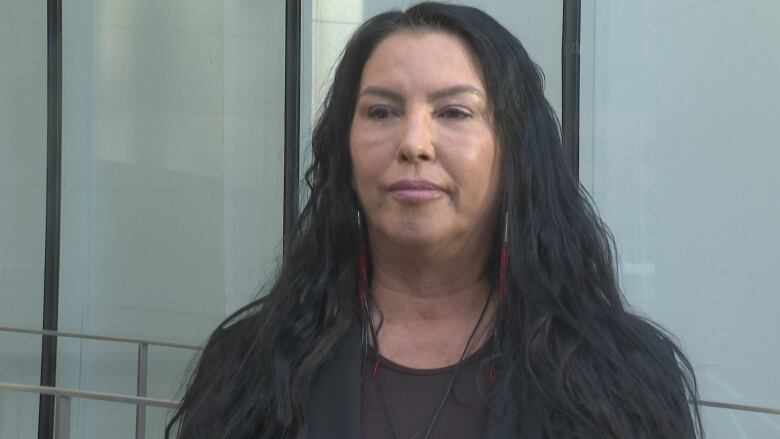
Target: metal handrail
<point>141,375</point>
<point>744,408</point>
<point>148,342</point>
<point>77,393</point>
<point>62,397</point>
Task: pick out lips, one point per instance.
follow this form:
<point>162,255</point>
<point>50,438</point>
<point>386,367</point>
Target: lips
<point>416,190</point>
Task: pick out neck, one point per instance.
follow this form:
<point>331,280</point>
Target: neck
<point>429,285</point>
<point>430,311</point>
<point>430,297</point>
<point>430,289</point>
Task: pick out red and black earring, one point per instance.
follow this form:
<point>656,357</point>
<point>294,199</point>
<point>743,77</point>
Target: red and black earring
<point>362,270</point>
<point>502,270</point>
<point>504,261</point>
<point>362,281</point>
<point>368,332</point>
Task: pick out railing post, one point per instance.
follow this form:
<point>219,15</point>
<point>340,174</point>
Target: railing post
<point>140,409</point>
<point>62,417</point>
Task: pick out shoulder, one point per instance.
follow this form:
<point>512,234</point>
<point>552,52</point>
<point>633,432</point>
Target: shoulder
<point>652,351</point>
<point>668,379</point>
<point>221,383</point>
<point>230,340</point>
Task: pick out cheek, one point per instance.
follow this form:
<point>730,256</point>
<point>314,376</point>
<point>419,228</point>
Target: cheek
<point>476,170</point>
<point>357,152</point>
<point>368,161</point>
<point>372,149</point>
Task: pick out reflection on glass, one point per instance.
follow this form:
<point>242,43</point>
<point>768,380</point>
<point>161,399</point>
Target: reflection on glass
<point>172,186</point>
<point>678,148</point>
<point>736,424</point>
<point>22,207</point>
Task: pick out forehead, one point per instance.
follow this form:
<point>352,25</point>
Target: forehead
<point>426,58</point>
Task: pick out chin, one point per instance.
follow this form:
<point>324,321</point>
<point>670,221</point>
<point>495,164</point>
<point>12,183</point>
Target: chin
<point>417,233</point>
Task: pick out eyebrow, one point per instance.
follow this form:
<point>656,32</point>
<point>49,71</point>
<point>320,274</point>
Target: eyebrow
<point>373,90</point>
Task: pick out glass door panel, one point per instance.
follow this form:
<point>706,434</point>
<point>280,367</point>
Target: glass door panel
<point>172,186</point>
<point>680,113</point>
<point>22,207</point>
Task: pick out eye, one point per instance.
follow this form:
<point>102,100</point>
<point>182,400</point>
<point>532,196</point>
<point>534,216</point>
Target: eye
<point>455,113</point>
<point>381,113</point>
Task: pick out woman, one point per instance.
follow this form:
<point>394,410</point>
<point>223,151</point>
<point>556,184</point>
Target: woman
<point>448,278</point>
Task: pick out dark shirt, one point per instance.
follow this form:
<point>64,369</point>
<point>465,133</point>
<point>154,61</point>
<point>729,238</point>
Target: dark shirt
<point>413,395</point>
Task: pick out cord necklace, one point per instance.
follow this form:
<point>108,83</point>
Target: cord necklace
<point>374,330</point>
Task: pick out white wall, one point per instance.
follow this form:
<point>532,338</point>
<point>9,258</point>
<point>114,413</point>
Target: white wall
<point>680,111</point>
<point>22,206</point>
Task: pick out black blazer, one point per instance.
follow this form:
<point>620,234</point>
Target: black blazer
<point>333,408</point>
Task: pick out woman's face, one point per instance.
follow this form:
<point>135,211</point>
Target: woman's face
<point>424,154</point>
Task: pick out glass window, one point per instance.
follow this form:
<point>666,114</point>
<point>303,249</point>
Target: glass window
<point>171,186</point>
<point>22,207</point>
<point>680,110</point>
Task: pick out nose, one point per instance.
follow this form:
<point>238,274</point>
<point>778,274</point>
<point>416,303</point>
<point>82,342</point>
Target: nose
<point>416,144</point>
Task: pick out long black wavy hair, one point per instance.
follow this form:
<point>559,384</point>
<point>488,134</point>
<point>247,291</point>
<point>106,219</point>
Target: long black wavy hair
<point>570,350</point>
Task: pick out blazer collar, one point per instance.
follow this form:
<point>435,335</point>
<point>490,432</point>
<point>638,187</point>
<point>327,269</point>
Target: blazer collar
<point>334,411</point>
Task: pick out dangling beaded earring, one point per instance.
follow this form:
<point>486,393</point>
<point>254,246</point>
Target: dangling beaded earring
<point>362,275</point>
<point>368,330</point>
<point>362,281</point>
<point>504,263</point>
<point>502,268</point>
